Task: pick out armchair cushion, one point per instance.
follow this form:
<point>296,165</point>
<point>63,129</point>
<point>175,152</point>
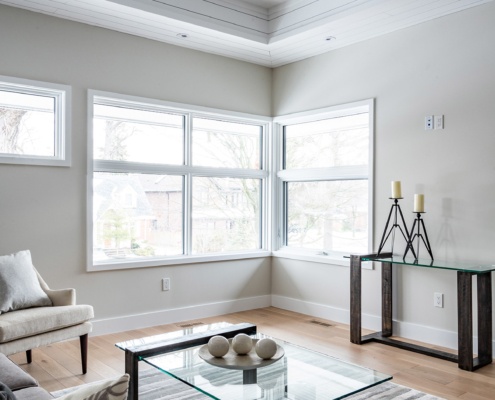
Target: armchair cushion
<point>19,284</point>
<point>34,321</point>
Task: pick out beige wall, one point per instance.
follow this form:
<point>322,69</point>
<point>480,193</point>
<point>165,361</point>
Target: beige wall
<point>445,66</point>
<point>44,208</point>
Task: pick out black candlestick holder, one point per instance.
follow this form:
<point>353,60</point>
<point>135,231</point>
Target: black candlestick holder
<point>419,224</point>
<point>395,210</point>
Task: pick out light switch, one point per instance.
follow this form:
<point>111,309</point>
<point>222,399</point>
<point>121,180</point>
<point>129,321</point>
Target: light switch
<point>438,121</point>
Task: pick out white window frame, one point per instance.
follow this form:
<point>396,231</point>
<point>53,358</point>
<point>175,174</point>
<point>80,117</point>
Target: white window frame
<point>352,172</point>
<point>189,171</point>
<point>62,135</point>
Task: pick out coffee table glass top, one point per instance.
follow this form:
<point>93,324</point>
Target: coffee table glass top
<point>300,374</point>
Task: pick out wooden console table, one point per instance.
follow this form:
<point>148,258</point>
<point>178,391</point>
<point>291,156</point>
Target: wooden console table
<point>465,272</point>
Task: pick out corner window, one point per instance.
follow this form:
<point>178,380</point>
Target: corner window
<point>34,122</point>
<point>173,185</point>
<point>325,180</point>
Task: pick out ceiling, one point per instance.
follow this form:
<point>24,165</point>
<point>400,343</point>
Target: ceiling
<point>265,32</point>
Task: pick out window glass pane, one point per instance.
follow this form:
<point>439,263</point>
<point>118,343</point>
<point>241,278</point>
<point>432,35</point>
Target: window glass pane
<point>326,143</point>
<point>226,144</point>
<point>136,216</point>
<point>27,124</point>
<point>328,215</point>
<point>127,134</point>
<point>225,214</point>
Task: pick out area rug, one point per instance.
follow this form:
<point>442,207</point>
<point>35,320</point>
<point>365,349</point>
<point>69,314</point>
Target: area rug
<point>155,385</point>
<point>158,386</point>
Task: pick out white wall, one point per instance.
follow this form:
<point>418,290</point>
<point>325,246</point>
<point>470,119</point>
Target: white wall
<point>445,66</point>
<point>440,67</point>
<point>44,208</point>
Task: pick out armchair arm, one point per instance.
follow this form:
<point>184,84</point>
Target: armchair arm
<point>59,297</point>
<point>62,297</point>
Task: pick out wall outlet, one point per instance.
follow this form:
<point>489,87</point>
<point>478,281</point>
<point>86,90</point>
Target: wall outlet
<point>438,300</point>
<point>166,284</point>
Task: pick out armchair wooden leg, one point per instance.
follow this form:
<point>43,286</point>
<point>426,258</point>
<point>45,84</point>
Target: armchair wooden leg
<point>29,356</point>
<point>84,352</point>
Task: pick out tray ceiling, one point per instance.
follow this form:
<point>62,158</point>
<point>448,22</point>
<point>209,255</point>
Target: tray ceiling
<point>265,32</point>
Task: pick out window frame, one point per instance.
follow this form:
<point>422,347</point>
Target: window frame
<point>283,176</point>
<point>62,133</point>
<point>188,171</point>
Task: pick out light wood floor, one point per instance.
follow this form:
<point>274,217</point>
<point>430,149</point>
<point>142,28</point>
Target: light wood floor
<point>58,366</point>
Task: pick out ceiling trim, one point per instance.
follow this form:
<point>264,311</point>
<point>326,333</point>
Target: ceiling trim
<point>290,31</point>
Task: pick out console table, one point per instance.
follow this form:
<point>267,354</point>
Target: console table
<point>465,272</point>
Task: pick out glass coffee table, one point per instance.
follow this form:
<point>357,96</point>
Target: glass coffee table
<point>299,374</point>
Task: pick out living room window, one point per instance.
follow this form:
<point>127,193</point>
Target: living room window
<point>172,184</point>
<point>325,181</point>
<point>34,122</point>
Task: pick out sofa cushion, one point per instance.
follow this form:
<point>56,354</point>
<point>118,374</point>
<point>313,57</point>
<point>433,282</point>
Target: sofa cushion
<point>19,284</point>
<point>32,321</point>
<point>6,393</point>
<point>33,393</point>
<point>13,376</point>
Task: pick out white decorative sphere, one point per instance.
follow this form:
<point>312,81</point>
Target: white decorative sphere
<point>242,343</point>
<point>266,348</point>
<point>218,346</point>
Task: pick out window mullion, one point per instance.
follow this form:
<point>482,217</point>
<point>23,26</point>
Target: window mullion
<point>188,191</point>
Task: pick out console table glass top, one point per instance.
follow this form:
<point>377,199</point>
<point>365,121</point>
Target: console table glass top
<point>300,374</point>
<point>429,263</point>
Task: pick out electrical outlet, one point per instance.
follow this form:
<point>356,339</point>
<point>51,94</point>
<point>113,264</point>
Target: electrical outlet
<point>166,284</point>
<point>429,122</point>
<point>438,300</point>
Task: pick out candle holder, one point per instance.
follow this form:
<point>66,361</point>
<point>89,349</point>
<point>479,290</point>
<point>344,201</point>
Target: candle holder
<point>419,224</point>
<point>395,210</point>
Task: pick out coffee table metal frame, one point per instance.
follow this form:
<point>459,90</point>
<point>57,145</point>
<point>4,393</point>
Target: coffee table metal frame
<point>135,352</point>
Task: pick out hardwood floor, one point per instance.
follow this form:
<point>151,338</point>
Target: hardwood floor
<point>59,366</point>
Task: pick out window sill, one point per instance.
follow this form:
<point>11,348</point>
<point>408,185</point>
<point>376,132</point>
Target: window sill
<point>178,260</point>
<point>331,258</point>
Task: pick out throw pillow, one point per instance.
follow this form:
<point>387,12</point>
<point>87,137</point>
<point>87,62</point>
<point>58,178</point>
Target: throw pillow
<point>19,285</point>
<point>111,389</point>
<point>6,393</point>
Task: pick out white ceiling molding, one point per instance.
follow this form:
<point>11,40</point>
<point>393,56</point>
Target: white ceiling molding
<point>265,32</point>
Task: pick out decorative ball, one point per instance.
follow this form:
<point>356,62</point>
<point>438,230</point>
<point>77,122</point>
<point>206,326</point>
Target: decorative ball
<point>242,343</point>
<point>266,348</point>
<point>218,346</point>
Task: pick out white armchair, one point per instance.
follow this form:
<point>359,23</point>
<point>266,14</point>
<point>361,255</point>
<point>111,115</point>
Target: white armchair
<point>29,328</point>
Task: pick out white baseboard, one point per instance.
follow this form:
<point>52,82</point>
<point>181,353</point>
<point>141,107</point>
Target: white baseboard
<point>422,333</point>
<point>172,316</point>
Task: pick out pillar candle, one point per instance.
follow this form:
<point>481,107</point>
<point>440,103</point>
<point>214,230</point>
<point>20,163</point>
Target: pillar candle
<point>396,191</point>
<point>419,203</point>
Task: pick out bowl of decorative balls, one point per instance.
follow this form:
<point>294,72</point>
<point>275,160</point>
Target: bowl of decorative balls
<point>241,352</point>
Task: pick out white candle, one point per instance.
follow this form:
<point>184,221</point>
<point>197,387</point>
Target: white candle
<point>396,191</point>
<point>419,203</point>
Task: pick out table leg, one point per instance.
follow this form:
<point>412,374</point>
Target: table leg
<point>465,320</point>
<point>484,283</point>
<point>131,367</point>
<point>355,325</point>
<point>387,299</point>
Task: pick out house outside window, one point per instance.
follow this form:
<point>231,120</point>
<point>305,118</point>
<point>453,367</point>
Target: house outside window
<point>171,184</point>
<point>34,122</point>
<point>325,180</point>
